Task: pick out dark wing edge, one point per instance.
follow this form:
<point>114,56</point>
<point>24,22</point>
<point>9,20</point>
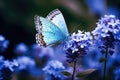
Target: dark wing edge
<point>53,13</point>
<point>38,24</point>
<point>39,37</point>
<point>39,40</point>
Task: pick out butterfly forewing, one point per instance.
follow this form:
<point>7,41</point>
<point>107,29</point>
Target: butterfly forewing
<point>49,33</point>
<point>57,18</point>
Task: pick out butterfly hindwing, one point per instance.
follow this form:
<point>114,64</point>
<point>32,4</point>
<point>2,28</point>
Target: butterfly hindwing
<point>57,18</point>
<point>48,33</point>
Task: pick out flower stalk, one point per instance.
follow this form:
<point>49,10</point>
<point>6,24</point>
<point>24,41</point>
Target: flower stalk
<point>74,70</point>
<point>105,64</point>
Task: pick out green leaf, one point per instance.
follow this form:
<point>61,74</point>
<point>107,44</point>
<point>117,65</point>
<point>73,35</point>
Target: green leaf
<point>85,73</point>
<point>102,59</point>
<point>66,73</point>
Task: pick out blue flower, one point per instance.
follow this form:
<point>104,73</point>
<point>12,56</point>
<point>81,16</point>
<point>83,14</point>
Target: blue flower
<point>42,53</point>
<point>107,33</point>
<point>6,68</point>
<point>25,62</point>
<point>53,69</point>
<point>107,24</point>
<point>117,74</point>
<point>21,48</point>
<point>96,6</point>
<point>3,43</point>
<point>77,45</point>
<point>10,64</point>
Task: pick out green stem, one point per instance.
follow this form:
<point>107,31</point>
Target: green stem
<point>105,64</point>
<point>74,69</point>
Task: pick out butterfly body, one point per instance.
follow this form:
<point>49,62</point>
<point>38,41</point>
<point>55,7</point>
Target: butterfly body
<point>51,29</point>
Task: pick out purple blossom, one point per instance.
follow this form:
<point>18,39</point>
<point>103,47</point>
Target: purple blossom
<point>107,24</point>
<point>3,43</point>
<point>42,53</point>
<point>6,68</point>
<point>53,69</point>
<point>25,62</point>
<point>77,45</point>
<point>107,33</point>
<point>21,48</point>
<point>10,64</point>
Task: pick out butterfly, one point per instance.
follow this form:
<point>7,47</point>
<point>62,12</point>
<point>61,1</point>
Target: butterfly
<point>51,29</point>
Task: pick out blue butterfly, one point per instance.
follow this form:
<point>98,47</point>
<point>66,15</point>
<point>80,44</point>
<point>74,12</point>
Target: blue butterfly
<point>51,29</point>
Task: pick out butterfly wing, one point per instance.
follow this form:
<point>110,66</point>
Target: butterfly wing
<point>57,18</point>
<point>48,33</point>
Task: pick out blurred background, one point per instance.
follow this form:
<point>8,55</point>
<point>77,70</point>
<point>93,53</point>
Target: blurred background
<point>17,16</point>
<point>17,25</point>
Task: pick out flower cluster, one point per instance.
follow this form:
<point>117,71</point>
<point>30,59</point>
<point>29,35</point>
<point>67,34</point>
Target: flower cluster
<point>21,49</point>
<point>107,33</point>
<point>77,45</point>
<point>3,43</point>
<point>53,69</point>
<point>8,64</point>
<point>106,25</point>
<point>25,62</point>
<point>41,52</point>
<point>6,68</point>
